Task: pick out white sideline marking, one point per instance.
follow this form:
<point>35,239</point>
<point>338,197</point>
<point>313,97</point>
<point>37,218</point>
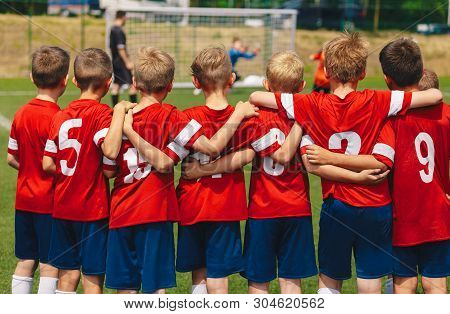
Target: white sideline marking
<point>5,122</point>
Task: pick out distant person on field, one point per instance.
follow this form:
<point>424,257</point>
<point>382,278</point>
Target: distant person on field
<point>239,50</point>
<point>321,82</point>
<point>121,61</point>
<point>34,201</point>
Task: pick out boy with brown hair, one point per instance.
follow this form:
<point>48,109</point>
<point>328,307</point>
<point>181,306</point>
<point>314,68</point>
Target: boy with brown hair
<point>34,204</point>
<point>141,244</point>
<point>279,237</point>
<point>80,136</point>
<point>354,218</point>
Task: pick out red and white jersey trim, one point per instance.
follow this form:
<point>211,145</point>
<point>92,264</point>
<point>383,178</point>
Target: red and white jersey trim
<point>264,142</point>
<point>50,147</point>
<point>396,102</point>
<point>187,132</point>
<point>12,144</point>
<point>179,150</point>
<point>287,100</point>
<point>99,135</point>
<point>384,150</point>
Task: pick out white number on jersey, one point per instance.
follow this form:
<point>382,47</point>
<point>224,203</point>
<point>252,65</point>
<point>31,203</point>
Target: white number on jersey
<point>428,159</point>
<point>66,142</point>
<point>269,165</point>
<point>133,160</point>
<point>353,142</point>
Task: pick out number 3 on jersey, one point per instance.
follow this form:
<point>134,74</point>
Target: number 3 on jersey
<point>133,159</point>
<point>423,137</point>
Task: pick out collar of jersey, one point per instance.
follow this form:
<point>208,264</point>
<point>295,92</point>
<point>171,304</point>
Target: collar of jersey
<point>44,103</point>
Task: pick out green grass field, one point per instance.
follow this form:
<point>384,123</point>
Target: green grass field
<point>15,92</point>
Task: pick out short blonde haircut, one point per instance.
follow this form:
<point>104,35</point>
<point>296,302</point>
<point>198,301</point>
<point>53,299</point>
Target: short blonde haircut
<point>212,68</point>
<point>154,70</point>
<point>346,57</point>
<point>428,80</point>
<point>284,72</point>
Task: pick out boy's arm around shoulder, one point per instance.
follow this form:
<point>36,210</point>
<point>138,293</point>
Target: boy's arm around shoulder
<point>264,99</point>
<point>290,146</point>
<point>155,157</point>
<point>426,98</point>
<point>48,164</point>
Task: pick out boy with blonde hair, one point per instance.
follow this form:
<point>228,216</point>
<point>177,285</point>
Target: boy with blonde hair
<point>279,236</point>
<point>141,254</point>
<point>354,218</point>
<point>80,136</point>
<point>34,202</point>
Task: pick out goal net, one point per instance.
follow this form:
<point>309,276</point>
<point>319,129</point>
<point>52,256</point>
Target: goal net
<point>183,32</point>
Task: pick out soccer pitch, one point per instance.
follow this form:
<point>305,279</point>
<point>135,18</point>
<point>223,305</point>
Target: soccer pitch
<point>16,92</point>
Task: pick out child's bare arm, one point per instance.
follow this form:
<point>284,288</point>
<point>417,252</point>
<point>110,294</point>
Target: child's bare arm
<point>192,169</point>
<point>320,156</point>
<point>48,165</point>
<point>109,173</point>
<point>264,99</point>
<point>426,98</point>
<point>13,161</point>
<point>333,173</point>
<point>217,143</point>
<point>158,159</point>
<point>113,139</point>
<point>290,146</point>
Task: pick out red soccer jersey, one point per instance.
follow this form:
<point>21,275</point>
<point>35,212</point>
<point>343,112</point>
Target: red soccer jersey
<point>384,149</point>
<point>351,126</point>
<point>29,133</point>
<point>77,132</point>
<point>141,195</point>
<point>421,176</point>
<point>221,197</point>
<point>277,190</point>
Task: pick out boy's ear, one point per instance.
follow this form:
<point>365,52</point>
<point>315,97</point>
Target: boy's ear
<point>133,81</point>
<point>65,81</point>
<point>387,80</point>
<point>363,75</point>
<point>196,83</point>
<point>232,79</point>
<point>31,78</point>
<point>266,85</point>
<point>302,86</point>
<point>74,81</point>
<point>109,82</point>
<point>170,87</point>
<point>326,73</point>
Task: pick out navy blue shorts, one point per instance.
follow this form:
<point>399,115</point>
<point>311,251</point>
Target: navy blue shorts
<point>79,245</point>
<point>141,257</point>
<point>216,246</point>
<point>431,260</point>
<point>33,233</point>
<point>364,230</point>
<point>284,242</point>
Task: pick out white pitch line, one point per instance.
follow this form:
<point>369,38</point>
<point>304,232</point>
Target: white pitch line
<point>5,122</point>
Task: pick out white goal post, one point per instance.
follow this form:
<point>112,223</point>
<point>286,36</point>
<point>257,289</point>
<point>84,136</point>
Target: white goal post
<point>183,32</point>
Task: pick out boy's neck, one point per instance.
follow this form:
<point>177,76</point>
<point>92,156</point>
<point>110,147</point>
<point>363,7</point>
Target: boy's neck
<point>343,89</point>
<point>51,95</point>
<point>148,100</point>
<point>216,100</point>
<point>93,95</point>
<point>411,88</point>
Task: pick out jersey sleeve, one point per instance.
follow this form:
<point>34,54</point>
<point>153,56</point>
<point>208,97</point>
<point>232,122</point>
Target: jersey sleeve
<point>51,148</point>
<point>183,132</point>
<point>392,103</point>
<point>119,38</point>
<point>109,164</point>
<point>101,125</point>
<point>384,149</point>
<point>254,134</point>
<point>293,106</point>
<point>13,145</point>
<point>306,141</point>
